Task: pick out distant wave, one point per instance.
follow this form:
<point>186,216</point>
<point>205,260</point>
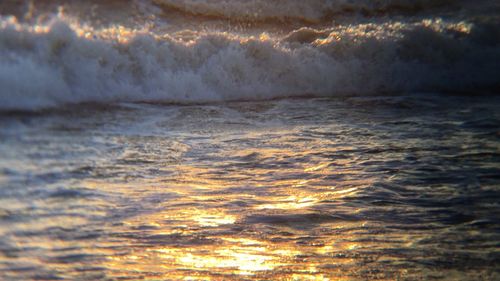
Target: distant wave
<point>250,11</point>
<point>311,10</point>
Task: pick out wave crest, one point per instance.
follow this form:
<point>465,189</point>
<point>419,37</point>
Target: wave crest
<point>62,63</point>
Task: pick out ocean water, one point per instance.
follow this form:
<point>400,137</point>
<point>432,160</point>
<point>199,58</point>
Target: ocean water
<point>249,140</point>
<point>305,189</point>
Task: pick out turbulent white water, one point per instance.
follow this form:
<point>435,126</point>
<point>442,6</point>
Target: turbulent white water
<point>193,51</point>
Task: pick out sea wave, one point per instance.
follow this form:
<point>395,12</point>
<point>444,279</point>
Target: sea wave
<point>63,60</point>
<point>243,13</point>
<point>310,11</point>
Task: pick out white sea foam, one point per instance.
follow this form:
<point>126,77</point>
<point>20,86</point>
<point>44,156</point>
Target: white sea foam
<point>64,61</point>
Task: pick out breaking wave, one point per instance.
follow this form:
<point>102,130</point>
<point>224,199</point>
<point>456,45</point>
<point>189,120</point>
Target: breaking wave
<point>65,60</point>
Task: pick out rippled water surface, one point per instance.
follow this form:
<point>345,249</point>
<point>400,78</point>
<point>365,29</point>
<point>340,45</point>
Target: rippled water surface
<point>306,189</point>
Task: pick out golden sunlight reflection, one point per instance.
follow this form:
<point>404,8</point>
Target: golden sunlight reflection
<point>240,256</point>
<point>203,217</point>
<point>241,259</point>
<point>291,202</point>
<point>229,255</point>
<point>212,225</point>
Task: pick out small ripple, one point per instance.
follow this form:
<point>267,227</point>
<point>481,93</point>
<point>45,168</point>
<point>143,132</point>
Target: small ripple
<point>72,258</point>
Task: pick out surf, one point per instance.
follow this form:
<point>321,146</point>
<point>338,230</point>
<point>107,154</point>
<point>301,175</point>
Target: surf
<point>61,59</point>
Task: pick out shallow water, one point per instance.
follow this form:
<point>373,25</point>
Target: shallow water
<point>355,188</point>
